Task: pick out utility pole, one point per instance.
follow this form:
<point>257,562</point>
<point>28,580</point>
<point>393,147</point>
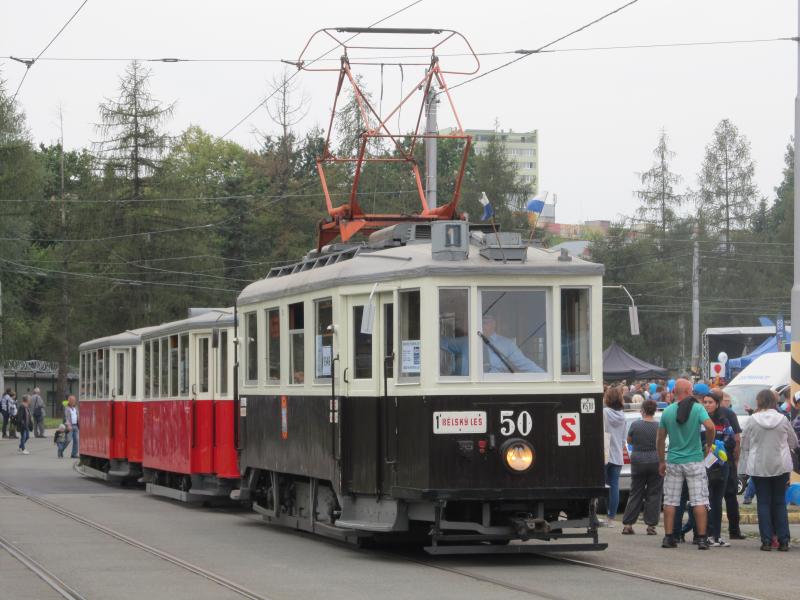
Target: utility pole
<point>696,302</point>
<point>431,128</point>
<point>2,354</point>
<point>63,355</point>
<point>795,318</point>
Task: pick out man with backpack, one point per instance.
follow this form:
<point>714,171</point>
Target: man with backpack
<point>681,422</point>
<point>37,411</point>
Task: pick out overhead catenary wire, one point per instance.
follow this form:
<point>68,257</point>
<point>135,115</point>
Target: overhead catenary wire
<point>528,53</point>
<point>29,63</point>
<point>293,75</point>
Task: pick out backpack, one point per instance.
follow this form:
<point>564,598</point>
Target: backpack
<point>38,412</point>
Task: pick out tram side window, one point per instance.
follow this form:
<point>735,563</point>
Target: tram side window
<point>251,331</point>
<point>362,347</point>
<point>453,332</point>
<point>296,343</point>
<point>575,333</point>
<point>107,373</point>
<point>100,377</point>
<point>155,393</point>
<point>513,335</point>
<point>388,339</point>
<point>120,374</point>
<point>173,366</point>
<point>92,375</point>
<point>134,374</point>
<point>410,344</point>
<point>82,385</point>
<point>273,345</point>
<point>223,362</point>
<point>203,365</point>
<point>164,367</point>
<point>183,368</point>
<point>323,339</point>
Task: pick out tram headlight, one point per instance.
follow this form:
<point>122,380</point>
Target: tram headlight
<point>518,455</point>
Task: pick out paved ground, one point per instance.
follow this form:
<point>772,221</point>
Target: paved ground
<point>280,564</point>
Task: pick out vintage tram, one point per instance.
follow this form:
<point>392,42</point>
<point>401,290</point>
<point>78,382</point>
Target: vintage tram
<point>157,406</point>
<point>436,383</point>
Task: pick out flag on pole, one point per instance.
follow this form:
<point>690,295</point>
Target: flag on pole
<point>535,206</point>
<point>488,211</point>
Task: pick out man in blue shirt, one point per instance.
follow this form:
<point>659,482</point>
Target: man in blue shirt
<point>501,354</point>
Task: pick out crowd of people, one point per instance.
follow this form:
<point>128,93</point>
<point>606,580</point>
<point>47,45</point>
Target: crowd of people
<point>691,458</point>
<point>26,416</point>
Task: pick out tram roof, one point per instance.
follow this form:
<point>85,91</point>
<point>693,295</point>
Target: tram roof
<point>212,317</point>
<point>126,338</point>
<point>409,262</point>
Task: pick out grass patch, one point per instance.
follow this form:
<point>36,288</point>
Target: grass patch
<point>52,422</point>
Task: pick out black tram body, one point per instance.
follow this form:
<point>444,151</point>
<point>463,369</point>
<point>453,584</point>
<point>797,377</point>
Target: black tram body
<point>439,384</point>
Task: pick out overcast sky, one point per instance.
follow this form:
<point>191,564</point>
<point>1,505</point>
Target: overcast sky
<point>598,113</point>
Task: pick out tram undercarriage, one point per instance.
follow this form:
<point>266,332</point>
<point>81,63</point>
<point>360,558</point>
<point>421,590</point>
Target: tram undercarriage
<point>443,526</point>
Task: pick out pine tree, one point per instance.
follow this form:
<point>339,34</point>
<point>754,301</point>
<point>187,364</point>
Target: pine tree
<point>728,197</point>
<point>658,197</point>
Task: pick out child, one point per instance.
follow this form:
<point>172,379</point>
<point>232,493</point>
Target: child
<point>61,440</point>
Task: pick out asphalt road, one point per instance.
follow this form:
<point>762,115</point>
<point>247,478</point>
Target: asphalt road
<point>279,564</point>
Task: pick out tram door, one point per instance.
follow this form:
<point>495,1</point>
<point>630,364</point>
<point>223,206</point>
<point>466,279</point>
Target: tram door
<point>203,406</point>
<point>369,375</point>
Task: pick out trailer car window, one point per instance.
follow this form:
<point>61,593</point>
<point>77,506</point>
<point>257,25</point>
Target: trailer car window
<point>575,333</point>
<point>134,374</point>
<point>183,368</point>
<point>156,362</point>
<point>173,366</point>
<point>203,365</point>
<point>107,373</point>
<point>223,363</point>
<point>164,367</point>
<point>120,374</point>
<point>410,343</point>
<point>513,336</point>
<point>453,332</point>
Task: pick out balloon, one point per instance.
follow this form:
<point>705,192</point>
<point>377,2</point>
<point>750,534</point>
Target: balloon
<point>653,388</point>
<point>670,385</point>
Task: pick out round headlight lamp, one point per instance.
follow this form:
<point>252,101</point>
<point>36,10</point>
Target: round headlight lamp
<point>518,455</point>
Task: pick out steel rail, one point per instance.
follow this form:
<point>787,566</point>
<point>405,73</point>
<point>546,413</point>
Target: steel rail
<point>61,588</point>
<point>651,578</point>
<point>166,556</point>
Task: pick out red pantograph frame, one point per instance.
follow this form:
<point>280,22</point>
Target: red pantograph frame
<point>349,219</point>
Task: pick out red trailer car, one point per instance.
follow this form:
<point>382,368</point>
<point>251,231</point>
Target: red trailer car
<point>189,445</point>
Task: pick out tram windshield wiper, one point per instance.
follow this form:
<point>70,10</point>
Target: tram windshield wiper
<point>497,352</point>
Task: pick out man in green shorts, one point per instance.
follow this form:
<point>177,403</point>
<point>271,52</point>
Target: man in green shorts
<point>681,422</point>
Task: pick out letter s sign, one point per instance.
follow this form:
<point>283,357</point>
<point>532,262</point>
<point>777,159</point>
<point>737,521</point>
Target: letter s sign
<point>569,429</point>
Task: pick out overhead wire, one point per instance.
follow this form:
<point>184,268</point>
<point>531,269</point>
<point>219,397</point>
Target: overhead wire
<point>30,63</point>
<point>545,46</point>
<point>293,75</point>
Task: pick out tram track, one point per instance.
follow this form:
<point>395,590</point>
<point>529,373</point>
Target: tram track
<point>49,578</point>
<point>532,591</point>
<point>165,556</point>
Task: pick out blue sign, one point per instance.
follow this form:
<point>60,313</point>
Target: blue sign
<point>780,332</point>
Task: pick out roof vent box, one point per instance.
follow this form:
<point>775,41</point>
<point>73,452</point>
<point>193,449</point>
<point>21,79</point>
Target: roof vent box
<point>450,240</point>
<point>505,246</point>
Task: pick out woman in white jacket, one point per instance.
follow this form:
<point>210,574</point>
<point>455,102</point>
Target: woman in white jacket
<point>767,442</point>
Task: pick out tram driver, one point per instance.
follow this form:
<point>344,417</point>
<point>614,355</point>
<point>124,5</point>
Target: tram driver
<point>501,354</point>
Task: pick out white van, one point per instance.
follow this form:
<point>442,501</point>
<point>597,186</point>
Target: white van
<point>767,371</point>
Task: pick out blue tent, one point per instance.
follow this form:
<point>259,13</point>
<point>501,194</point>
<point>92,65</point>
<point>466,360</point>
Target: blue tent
<point>734,365</point>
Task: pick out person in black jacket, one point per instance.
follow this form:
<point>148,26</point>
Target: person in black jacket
<point>24,423</point>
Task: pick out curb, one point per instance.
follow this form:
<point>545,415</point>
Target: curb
<point>751,518</point>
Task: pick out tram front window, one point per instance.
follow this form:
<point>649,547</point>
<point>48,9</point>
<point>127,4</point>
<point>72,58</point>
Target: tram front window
<point>514,331</point>
<point>453,332</point>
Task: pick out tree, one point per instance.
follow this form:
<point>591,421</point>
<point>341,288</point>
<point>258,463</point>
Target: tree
<point>130,125</point>
<point>20,180</point>
<point>658,197</point>
<point>728,196</point>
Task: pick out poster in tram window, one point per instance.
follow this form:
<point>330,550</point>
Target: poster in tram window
<point>324,358</point>
<point>411,357</point>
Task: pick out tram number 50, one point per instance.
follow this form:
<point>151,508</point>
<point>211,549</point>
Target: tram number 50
<point>509,425</point>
